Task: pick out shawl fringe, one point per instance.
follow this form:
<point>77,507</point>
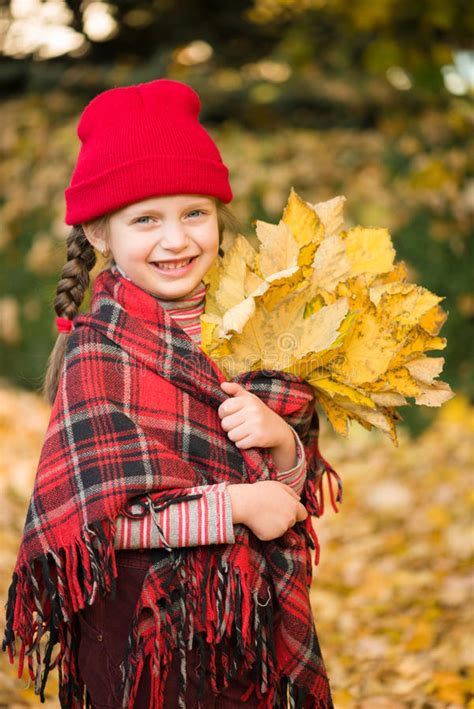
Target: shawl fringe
<point>238,637</point>
<point>314,492</point>
<point>215,614</point>
<point>44,597</point>
<point>207,603</point>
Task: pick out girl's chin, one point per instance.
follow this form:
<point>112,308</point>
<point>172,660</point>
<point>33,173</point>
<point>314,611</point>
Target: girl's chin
<point>174,288</point>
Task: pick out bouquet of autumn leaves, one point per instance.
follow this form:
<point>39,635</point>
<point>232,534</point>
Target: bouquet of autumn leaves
<point>333,307</point>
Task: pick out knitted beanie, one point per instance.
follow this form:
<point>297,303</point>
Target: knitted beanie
<point>143,141</point>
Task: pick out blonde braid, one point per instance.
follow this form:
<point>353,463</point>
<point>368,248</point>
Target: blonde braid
<point>70,291</point>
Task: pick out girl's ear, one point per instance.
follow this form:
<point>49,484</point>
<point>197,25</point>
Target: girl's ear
<point>92,237</point>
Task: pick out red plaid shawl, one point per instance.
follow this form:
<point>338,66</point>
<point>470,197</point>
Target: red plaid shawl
<point>136,413</point>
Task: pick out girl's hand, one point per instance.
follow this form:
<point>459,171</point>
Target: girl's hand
<point>249,422</point>
<point>267,507</point>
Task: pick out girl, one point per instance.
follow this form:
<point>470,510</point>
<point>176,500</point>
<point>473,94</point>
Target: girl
<point>166,548</point>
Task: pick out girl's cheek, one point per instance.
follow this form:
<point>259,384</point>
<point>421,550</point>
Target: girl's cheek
<point>212,246</point>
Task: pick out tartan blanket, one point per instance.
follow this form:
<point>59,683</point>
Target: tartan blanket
<point>135,418</point>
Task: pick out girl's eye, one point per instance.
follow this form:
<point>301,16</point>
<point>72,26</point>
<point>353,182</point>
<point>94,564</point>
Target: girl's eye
<point>146,220</point>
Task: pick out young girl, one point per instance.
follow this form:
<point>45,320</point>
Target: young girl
<point>166,548</point>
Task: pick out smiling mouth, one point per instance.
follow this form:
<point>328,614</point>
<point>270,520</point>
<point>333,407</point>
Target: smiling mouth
<point>173,265</point>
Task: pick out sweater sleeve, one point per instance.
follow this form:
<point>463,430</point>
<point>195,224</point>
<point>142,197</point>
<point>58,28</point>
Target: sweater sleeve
<point>207,520</point>
<point>296,476</point>
<point>194,522</point>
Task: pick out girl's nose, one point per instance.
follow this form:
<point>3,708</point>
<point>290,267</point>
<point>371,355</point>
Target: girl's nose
<point>173,237</point>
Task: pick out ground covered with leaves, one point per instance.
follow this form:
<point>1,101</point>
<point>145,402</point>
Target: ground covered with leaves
<point>392,595</point>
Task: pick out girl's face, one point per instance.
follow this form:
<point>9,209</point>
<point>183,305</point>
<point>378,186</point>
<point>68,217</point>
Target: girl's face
<point>165,244</point>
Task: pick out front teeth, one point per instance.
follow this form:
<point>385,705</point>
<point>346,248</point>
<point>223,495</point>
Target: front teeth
<point>171,267</point>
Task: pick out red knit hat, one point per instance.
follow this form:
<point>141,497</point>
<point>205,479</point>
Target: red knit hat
<point>143,141</point>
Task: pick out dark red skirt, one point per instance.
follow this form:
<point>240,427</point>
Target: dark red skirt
<point>104,629</point>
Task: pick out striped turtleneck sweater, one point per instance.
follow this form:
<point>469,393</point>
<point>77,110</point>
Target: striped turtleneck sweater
<point>207,520</point>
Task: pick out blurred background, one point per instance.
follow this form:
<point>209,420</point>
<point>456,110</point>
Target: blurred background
<point>372,100</point>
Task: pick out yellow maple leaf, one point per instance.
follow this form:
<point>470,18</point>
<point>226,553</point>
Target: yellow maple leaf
<point>340,392</point>
<point>397,380</point>
<point>319,331</point>
<point>240,256</point>
<point>331,214</point>
<point>434,395</point>
<point>406,302</point>
<point>425,369</point>
<point>417,341</point>
<point>279,285</point>
<point>274,339</point>
<point>338,417</point>
<point>211,281</point>
<point>304,223</point>
<point>388,398</point>
<point>433,320</point>
<point>278,248</point>
<point>367,351</point>
<point>330,264</point>
<point>369,251</point>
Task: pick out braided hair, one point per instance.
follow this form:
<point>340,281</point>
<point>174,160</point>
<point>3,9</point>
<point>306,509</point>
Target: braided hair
<point>70,292</point>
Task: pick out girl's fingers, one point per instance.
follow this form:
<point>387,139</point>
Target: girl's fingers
<point>232,421</point>
<point>230,406</point>
<point>233,388</point>
<point>238,433</point>
<point>245,442</point>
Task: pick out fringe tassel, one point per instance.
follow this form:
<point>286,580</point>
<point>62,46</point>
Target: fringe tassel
<point>334,499</point>
<point>174,616</point>
<point>44,597</point>
<point>293,697</point>
<point>312,542</point>
<point>329,470</point>
<point>314,490</point>
<point>201,600</point>
<point>231,641</point>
